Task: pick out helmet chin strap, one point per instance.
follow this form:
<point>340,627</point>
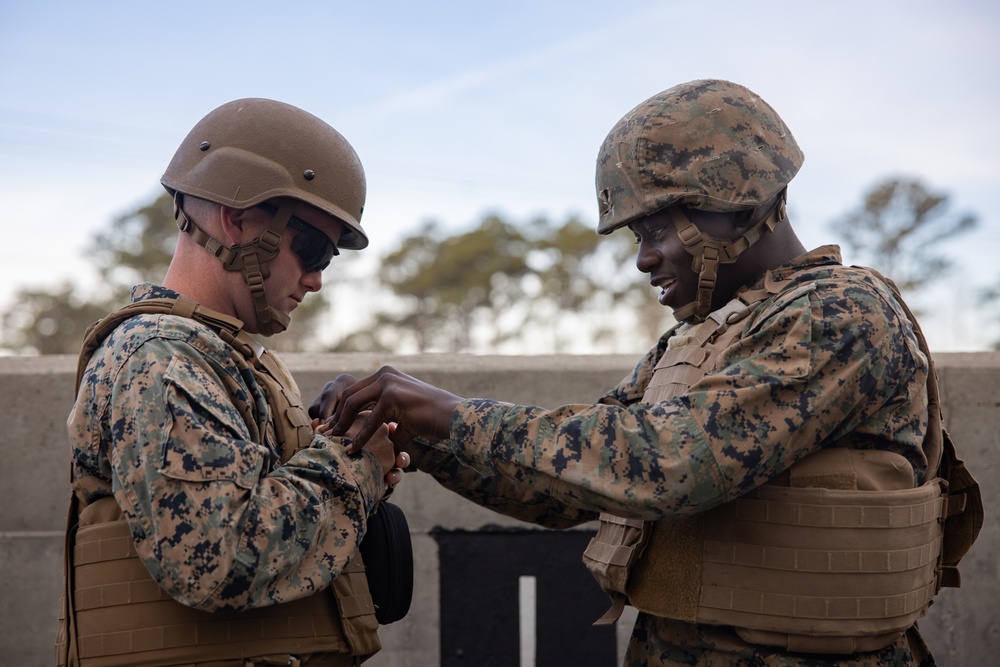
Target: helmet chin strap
<point>709,252</point>
<point>251,259</point>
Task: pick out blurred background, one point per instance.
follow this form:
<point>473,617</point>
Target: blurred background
<point>478,126</point>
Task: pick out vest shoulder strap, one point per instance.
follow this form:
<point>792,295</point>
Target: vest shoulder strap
<point>224,325</point>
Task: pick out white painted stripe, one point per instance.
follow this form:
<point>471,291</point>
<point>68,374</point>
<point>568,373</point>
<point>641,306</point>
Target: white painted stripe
<point>528,614</point>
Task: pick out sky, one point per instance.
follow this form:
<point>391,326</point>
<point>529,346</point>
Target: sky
<point>458,109</point>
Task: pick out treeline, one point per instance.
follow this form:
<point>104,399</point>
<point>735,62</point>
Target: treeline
<point>526,288</point>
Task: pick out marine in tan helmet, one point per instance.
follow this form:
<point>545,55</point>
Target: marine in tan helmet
<point>209,522</point>
<point>276,168</point>
<point>773,477</point>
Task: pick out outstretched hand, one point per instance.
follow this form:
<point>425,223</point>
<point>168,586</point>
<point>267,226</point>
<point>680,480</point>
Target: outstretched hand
<point>419,408</point>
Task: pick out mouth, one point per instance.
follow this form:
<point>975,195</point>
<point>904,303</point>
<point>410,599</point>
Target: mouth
<point>665,284</point>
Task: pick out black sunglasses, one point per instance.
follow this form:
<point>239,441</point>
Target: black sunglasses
<point>313,247</point>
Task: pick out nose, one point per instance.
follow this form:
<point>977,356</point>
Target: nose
<point>313,280</point>
<point>647,257</point>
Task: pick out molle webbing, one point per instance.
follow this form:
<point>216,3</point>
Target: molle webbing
<point>810,569</point>
<point>830,571</point>
<point>683,365</point>
<point>966,515</point>
<point>124,618</point>
<point>614,554</point>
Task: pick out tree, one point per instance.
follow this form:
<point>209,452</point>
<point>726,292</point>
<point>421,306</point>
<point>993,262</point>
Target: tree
<point>991,296</point>
<point>136,247</point>
<point>53,322</point>
<point>899,228</point>
<point>495,286</point>
<point>446,286</point>
<point>532,287</point>
<point>590,279</point>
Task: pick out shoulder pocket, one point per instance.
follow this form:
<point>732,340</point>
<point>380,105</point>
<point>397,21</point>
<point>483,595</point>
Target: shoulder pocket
<point>206,439</point>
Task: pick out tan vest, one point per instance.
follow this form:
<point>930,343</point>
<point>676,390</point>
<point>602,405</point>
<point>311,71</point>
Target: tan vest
<point>839,555</point>
<point>114,614</point>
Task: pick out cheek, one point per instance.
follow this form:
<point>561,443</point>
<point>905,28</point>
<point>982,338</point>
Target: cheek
<point>683,263</point>
<point>284,267</point>
<point>673,251</point>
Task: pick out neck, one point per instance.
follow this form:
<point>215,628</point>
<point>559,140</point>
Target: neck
<point>199,276</point>
<point>772,250</point>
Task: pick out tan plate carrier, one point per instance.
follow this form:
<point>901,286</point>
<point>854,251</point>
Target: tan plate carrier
<point>114,614</point>
<point>839,555</point>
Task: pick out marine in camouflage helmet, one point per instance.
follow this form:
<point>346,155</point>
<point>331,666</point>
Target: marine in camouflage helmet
<point>710,145</point>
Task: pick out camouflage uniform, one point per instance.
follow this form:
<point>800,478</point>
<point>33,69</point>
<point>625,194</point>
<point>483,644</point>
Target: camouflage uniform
<point>831,359</point>
<point>167,423</point>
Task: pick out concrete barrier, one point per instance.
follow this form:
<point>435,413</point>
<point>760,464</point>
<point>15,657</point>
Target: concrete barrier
<point>962,628</point>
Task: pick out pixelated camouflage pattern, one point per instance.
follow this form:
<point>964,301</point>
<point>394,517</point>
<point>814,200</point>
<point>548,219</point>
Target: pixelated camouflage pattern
<point>708,144</point>
<point>659,642</point>
<point>830,361</point>
<point>183,438</point>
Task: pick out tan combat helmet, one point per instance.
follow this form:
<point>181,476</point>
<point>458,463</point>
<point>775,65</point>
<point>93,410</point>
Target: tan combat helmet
<point>710,145</point>
<point>249,151</point>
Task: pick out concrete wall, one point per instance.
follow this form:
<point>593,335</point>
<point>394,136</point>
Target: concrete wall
<point>963,627</point>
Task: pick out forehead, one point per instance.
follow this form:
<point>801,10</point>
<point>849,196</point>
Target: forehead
<point>650,221</point>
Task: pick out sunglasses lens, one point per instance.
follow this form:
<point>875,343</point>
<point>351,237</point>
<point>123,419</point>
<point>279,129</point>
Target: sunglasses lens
<point>313,247</point>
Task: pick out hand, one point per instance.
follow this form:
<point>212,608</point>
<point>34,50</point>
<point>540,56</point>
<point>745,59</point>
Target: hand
<point>388,395</point>
<point>328,398</point>
<point>395,476</point>
<point>393,470</point>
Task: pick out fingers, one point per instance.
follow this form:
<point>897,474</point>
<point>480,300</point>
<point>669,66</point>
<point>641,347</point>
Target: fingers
<point>381,443</point>
<point>402,460</point>
<point>395,476</point>
<point>391,396</point>
<point>362,395</point>
<point>381,446</point>
<point>329,397</point>
<point>355,428</point>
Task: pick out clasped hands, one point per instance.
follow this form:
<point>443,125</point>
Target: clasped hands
<point>383,412</point>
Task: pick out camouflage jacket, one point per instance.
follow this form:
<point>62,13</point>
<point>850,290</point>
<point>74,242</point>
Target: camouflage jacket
<point>831,359</point>
<point>167,423</point>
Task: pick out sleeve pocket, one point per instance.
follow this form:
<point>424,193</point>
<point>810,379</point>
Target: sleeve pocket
<point>205,439</point>
<point>782,338</point>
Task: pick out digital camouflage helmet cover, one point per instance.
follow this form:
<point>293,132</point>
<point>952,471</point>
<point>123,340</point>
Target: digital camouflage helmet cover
<point>709,144</point>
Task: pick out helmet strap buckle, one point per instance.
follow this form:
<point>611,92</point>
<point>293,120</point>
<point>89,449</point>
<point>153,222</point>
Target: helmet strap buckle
<point>709,252</point>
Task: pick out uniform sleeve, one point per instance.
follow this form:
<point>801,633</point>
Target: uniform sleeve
<point>495,492</point>
<point>520,496</point>
<point>217,522</point>
<point>813,368</point>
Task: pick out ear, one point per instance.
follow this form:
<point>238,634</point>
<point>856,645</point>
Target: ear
<point>753,216</point>
<point>744,220</point>
<point>232,221</point>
